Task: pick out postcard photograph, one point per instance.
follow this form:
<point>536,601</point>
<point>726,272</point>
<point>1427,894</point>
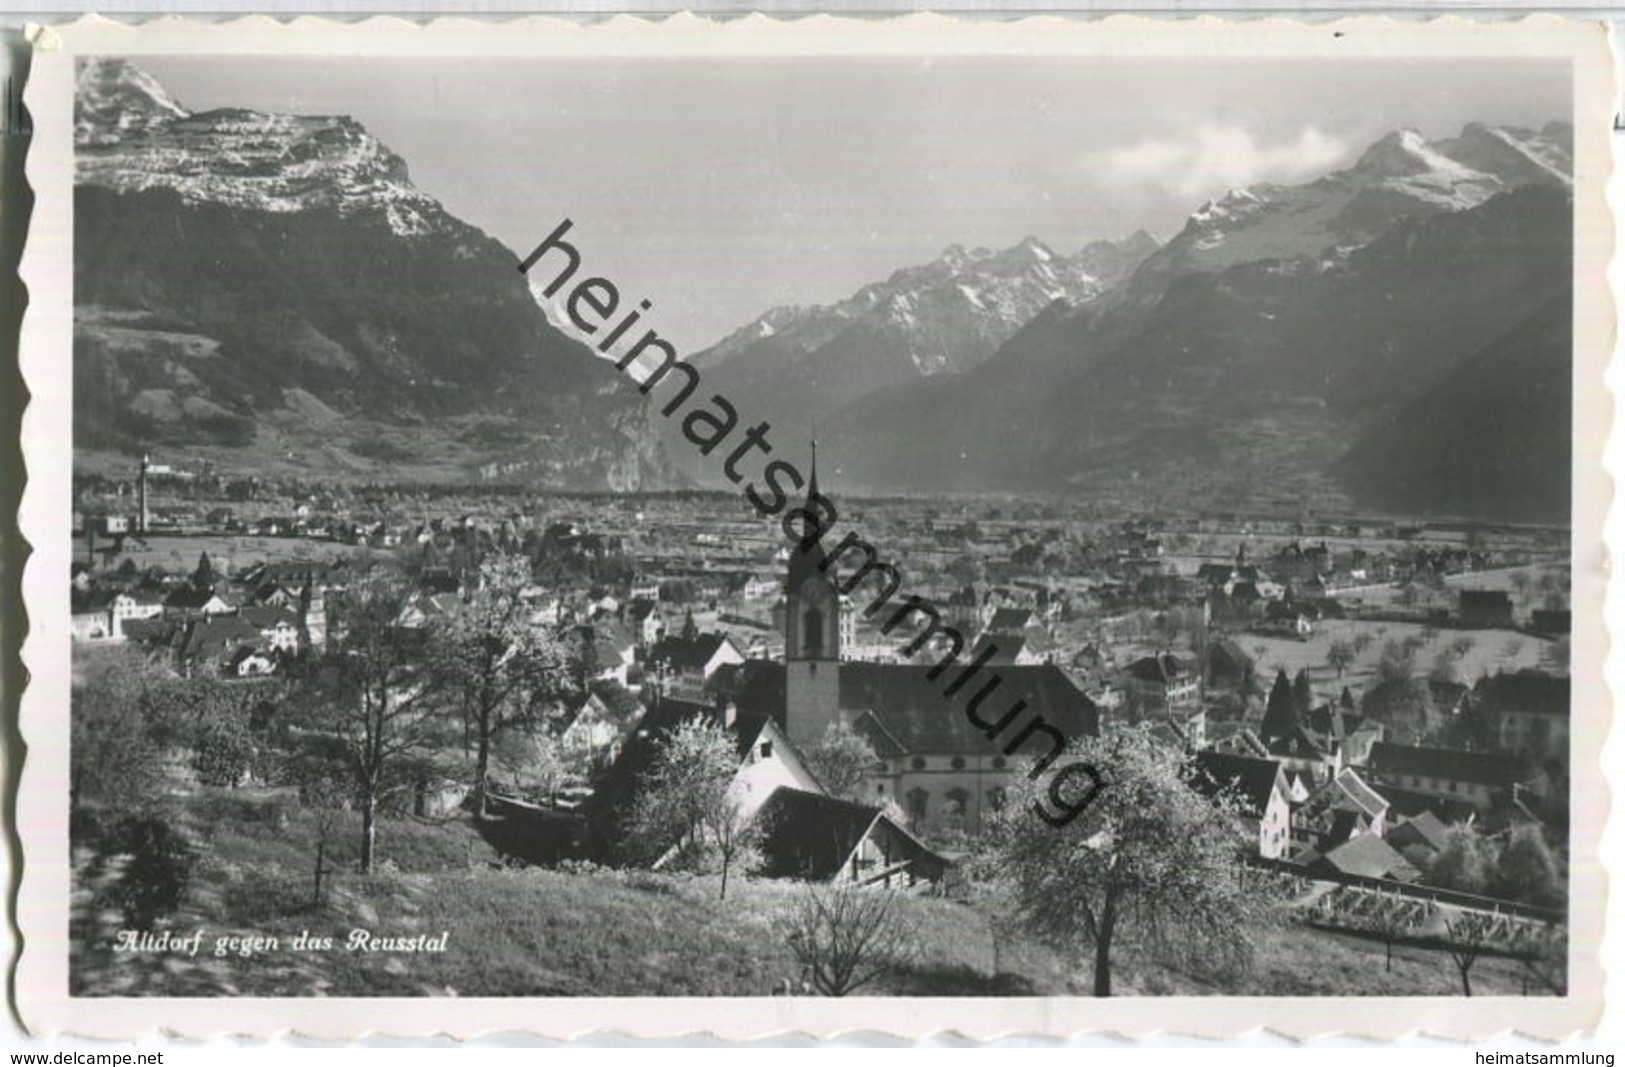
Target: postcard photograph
<point>1028,524</point>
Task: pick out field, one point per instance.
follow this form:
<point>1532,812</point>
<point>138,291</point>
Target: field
<point>1491,650</point>
<point>593,932</point>
<point>228,552</point>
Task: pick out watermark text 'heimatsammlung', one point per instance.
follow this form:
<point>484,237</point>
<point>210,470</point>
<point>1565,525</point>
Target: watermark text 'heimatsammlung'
<point>592,305</point>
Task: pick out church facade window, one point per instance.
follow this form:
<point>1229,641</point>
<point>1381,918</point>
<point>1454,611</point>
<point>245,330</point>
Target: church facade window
<point>919,803</point>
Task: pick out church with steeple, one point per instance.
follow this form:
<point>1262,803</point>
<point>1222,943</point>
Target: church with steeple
<point>812,636</point>
<point>944,760</point>
<point>937,765</point>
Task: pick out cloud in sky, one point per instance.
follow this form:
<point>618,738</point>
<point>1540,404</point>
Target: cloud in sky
<point>1217,157</point>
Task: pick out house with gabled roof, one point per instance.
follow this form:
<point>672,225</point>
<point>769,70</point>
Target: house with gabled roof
<point>1364,856</point>
<point>1529,710</point>
<point>818,838</point>
<point>646,620</point>
<point>1163,681</point>
<point>188,601</point>
<point>278,626</point>
<point>1342,807</point>
<point>1422,830</point>
<point>683,665</point>
<point>1301,753</point>
<point>1260,788</point>
<point>767,761</point>
<point>1478,778</point>
<point>212,641</point>
<point>598,723</point>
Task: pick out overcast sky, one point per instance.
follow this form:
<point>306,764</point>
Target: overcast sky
<point>720,191</point>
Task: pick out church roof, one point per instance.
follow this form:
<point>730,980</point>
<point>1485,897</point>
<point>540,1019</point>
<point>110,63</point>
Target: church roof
<point>914,711</point>
<point>1009,620</point>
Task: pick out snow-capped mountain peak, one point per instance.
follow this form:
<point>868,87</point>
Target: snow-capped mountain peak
<point>1401,174</point>
<point>113,97</point>
<point>953,311</point>
<point>131,135</point>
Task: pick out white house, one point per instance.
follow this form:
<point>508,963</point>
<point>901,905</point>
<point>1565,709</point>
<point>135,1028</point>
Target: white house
<point>1259,787</point>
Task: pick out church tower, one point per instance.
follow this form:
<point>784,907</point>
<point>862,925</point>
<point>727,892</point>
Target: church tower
<point>812,636</point>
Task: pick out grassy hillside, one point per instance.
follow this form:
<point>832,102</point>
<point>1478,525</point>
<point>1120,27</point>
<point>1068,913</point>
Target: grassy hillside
<point>538,932</point>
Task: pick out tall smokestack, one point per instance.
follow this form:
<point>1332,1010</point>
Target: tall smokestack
<point>141,493</point>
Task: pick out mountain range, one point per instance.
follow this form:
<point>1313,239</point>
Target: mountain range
<point>273,292</point>
<point>796,365</point>
<point>1393,336</point>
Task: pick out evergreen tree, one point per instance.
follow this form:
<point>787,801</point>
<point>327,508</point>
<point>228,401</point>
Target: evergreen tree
<point>1281,712</point>
<point>1303,695</point>
<point>691,632</point>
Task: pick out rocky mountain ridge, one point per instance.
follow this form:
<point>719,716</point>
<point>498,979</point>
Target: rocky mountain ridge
<point>273,290</point>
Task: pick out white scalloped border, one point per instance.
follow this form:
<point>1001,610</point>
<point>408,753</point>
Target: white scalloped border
<point>46,365</point>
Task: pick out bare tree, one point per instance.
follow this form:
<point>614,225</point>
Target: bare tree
<point>1545,962</point>
<point>325,799</point>
<point>370,693</point>
<point>1467,938</point>
<point>845,936</point>
<point>1388,919</point>
<point>1340,656</point>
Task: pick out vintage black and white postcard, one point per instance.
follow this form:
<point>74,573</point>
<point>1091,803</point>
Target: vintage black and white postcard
<point>753,526</point>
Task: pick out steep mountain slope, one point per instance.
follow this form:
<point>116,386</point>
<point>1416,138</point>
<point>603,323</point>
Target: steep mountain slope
<point>1500,425</point>
<point>1248,382</point>
<point>273,290</point>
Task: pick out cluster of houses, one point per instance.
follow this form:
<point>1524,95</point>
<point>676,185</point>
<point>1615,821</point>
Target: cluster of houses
<point>1324,784</point>
<point>241,626</point>
<point>1325,790</point>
